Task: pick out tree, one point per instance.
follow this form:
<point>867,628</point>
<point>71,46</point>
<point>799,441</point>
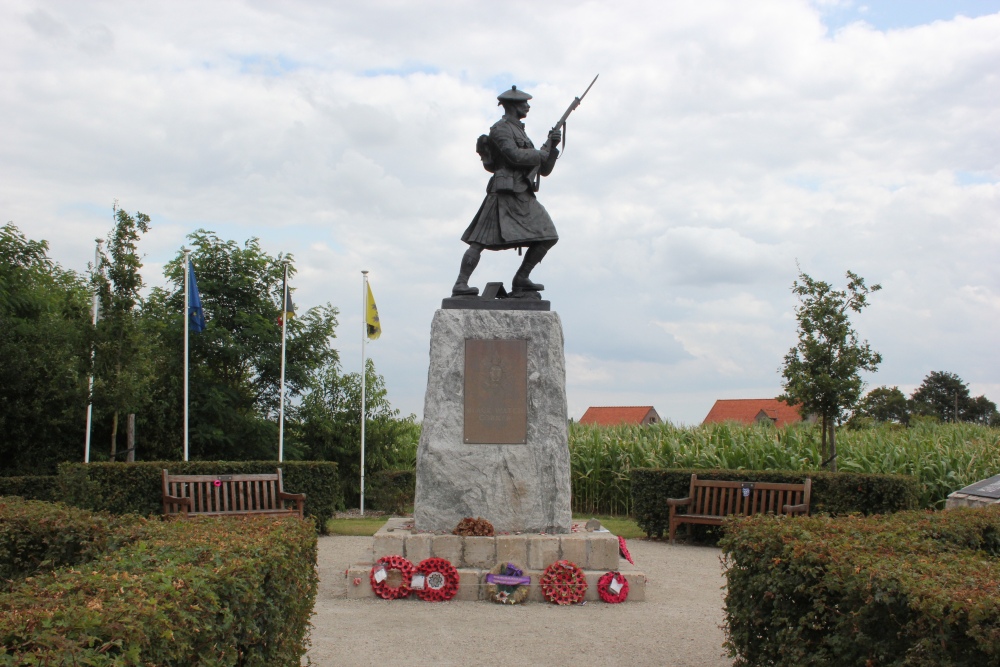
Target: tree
<point>235,363</point>
<point>329,427</point>
<point>122,372</point>
<point>945,396</point>
<point>883,404</point>
<point>822,372</point>
<point>45,337</point>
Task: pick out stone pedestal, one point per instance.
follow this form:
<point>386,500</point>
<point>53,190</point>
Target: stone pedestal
<point>523,485</point>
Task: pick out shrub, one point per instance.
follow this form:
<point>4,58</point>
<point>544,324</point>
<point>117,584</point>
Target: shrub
<point>913,588</point>
<point>834,493</point>
<point>216,591</point>
<point>31,487</point>
<point>393,490</point>
<point>38,536</point>
<point>137,488</point>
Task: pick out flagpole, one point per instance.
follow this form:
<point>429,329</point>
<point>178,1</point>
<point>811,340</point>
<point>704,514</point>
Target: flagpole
<point>93,351</point>
<point>284,329</point>
<point>364,339</point>
<point>186,319</point>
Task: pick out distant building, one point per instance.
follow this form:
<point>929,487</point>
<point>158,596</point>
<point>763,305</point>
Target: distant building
<point>750,410</point>
<point>613,416</point>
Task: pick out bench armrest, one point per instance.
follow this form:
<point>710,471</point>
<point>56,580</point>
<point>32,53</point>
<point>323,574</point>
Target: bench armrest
<point>795,509</point>
<point>678,502</point>
<point>176,500</point>
<point>292,496</point>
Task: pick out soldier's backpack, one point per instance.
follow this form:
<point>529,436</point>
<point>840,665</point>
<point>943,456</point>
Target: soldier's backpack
<point>485,153</point>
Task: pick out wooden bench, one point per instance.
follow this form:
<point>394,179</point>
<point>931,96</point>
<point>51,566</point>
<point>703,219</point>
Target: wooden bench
<point>228,495</point>
<point>710,501</point>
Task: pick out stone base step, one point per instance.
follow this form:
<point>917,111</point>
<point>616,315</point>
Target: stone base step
<point>589,550</point>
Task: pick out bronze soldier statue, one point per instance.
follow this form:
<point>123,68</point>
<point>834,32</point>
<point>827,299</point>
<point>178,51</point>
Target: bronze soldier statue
<point>510,216</point>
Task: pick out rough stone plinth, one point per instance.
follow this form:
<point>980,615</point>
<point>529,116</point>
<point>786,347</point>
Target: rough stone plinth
<point>518,488</point>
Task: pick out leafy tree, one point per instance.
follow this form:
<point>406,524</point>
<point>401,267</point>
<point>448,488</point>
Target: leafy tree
<point>883,404</point>
<point>945,396</point>
<point>235,363</point>
<point>45,336</point>
<point>329,427</point>
<point>982,411</point>
<point>822,372</point>
<point>122,373</point>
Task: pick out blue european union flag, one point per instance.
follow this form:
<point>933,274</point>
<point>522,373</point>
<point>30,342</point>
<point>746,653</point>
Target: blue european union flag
<point>196,315</point>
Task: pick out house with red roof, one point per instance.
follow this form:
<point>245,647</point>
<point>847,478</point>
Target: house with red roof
<point>614,416</point>
<point>750,410</point>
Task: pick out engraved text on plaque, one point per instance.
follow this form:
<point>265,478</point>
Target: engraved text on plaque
<point>496,392</point>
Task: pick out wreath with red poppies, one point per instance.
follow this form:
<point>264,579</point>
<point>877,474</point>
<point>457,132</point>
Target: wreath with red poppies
<point>388,585</point>
<point>623,550</point>
<point>563,583</point>
<point>435,580</point>
<point>613,587</point>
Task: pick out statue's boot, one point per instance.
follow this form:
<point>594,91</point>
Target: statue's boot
<point>532,257</point>
<point>470,260</point>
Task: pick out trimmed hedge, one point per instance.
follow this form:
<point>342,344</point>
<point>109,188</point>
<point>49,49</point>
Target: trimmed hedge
<point>31,487</point>
<point>393,490</point>
<point>913,588</point>
<point>38,536</point>
<point>832,492</point>
<point>137,488</point>
<point>217,591</point>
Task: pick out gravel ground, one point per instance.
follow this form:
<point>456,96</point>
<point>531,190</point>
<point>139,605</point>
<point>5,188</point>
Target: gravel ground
<point>679,624</point>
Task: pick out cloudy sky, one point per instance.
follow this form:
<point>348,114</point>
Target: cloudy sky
<point>725,144</point>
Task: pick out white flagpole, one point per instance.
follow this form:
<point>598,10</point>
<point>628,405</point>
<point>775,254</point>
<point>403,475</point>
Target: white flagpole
<point>186,319</point>
<point>364,339</point>
<point>284,329</point>
<point>93,352</point>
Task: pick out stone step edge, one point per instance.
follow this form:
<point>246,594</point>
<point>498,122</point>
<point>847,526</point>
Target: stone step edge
<point>472,584</point>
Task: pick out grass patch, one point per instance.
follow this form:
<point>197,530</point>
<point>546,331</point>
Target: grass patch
<point>621,526</point>
<point>359,527</point>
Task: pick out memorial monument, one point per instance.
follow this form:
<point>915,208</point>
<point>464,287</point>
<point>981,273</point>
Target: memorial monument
<point>494,438</point>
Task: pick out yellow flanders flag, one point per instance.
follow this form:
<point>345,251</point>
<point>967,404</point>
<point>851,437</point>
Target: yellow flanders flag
<point>371,317</point>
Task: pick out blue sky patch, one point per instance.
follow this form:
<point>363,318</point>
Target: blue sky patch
<point>897,14</point>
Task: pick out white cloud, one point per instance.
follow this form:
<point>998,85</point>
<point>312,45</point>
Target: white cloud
<point>722,143</point>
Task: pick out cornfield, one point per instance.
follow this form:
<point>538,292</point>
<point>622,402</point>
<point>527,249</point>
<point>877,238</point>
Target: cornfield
<point>943,457</point>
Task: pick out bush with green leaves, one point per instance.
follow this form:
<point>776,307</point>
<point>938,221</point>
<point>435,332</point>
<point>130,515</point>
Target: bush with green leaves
<point>914,588</point>
<point>37,536</point>
<point>212,591</point>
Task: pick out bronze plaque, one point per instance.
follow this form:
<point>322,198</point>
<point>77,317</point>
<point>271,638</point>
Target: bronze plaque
<point>496,392</point>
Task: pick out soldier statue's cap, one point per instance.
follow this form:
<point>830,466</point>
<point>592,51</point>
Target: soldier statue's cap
<point>513,95</point>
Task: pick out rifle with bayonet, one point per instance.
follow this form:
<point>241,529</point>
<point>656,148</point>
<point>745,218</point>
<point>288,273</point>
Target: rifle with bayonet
<point>560,126</point>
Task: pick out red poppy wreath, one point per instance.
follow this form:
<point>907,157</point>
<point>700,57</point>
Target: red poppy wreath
<point>435,580</point>
<point>380,576</point>
<point>563,583</point>
<point>613,587</point>
<point>623,550</point>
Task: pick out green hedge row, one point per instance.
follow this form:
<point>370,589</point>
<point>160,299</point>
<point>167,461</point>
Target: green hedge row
<point>216,591</point>
<point>37,536</point>
<point>392,490</point>
<point>913,588</point>
<point>31,487</point>
<point>832,493</point>
<point>137,488</point>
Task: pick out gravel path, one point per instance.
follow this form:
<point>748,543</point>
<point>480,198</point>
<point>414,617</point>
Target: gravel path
<point>678,625</point>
